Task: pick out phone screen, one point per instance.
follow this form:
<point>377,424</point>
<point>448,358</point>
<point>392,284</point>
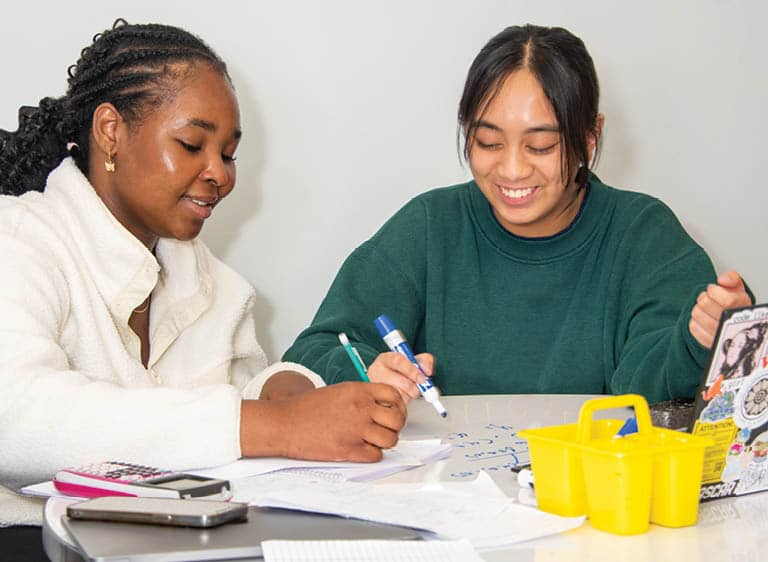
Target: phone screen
<point>180,483</point>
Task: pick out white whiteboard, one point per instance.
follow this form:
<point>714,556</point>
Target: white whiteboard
<point>349,110</point>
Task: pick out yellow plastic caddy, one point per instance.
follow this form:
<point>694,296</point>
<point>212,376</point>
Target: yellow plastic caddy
<point>622,484</point>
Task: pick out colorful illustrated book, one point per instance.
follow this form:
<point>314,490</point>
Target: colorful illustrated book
<point>732,406</point>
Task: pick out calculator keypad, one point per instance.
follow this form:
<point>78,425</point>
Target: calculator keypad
<point>116,470</point>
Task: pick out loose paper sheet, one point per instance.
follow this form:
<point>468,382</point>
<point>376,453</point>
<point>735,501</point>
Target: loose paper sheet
<point>450,512</point>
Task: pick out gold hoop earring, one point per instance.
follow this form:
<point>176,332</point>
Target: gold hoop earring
<point>109,165</point>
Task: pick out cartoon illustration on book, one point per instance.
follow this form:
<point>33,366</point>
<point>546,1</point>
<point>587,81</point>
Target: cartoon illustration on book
<point>739,350</point>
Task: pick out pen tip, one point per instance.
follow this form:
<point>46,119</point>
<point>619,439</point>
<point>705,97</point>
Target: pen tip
<point>443,414</point>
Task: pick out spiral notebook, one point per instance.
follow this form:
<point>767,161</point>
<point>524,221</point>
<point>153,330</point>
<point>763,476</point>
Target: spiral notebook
<point>370,551</point>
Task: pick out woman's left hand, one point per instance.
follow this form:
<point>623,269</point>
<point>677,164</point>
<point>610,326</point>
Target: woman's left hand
<point>396,370</point>
<point>284,385</point>
<point>705,316</point>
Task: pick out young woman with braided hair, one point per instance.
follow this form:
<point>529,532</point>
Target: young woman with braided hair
<point>122,336</point>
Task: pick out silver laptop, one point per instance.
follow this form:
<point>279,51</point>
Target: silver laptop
<point>101,541</point>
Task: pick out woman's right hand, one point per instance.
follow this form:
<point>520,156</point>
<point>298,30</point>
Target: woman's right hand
<point>396,370</point>
<point>728,292</point>
<point>350,421</point>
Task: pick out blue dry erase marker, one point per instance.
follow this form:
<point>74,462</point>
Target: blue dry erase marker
<point>629,427</point>
<point>357,361</point>
<point>396,341</point>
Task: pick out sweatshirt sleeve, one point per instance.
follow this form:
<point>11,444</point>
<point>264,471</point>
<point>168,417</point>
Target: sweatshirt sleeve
<point>385,275</point>
<point>659,273</point>
<point>53,415</point>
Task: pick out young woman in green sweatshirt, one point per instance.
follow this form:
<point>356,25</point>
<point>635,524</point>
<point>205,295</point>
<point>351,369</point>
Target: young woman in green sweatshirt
<point>535,277</point>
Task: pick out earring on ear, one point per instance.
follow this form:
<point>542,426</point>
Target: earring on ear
<point>109,165</point>
<point>582,175</point>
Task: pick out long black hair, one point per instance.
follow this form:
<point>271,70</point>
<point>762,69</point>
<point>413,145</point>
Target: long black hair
<point>127,66</point>
<point>563,67</point>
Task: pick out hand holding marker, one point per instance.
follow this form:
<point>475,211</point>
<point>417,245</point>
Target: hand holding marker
<point>396,342</point>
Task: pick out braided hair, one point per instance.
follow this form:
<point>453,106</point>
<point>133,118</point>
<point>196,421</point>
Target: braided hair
<point>129,66</point>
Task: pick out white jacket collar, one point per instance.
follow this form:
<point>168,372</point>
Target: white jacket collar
<point>124,270</point>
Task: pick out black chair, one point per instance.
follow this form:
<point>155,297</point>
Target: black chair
<point>22,544</point>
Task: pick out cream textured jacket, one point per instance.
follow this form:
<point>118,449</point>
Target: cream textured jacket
<point>74,390</point>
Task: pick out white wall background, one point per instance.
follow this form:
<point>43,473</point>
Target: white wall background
<point>349,110</point>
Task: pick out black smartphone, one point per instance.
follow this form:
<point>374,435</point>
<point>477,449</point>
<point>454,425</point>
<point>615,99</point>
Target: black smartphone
<point>159,511</point>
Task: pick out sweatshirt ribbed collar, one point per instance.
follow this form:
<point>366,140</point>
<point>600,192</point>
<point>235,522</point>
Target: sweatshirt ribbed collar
<point>596,208</point>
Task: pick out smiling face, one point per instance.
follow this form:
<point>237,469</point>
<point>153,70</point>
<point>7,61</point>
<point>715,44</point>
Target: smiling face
<point>176,163</point>
<point>515,157</point>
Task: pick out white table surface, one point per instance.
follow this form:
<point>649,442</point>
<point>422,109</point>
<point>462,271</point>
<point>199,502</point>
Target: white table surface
<point>728,530</point>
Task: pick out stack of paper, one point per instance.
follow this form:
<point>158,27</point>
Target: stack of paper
<point>406,455</point>
<point>454,511</point>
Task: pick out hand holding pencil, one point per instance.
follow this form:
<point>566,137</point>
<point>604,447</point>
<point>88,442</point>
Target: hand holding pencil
<point>391,368</point>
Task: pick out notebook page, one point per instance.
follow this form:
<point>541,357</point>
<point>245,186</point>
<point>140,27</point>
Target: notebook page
<point>394,460</point>
<point>369,551</point>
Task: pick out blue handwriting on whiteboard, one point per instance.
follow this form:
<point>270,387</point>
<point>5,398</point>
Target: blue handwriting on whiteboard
<point>496,447</point>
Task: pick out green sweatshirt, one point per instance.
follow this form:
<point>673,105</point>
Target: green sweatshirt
<point>602,307</point>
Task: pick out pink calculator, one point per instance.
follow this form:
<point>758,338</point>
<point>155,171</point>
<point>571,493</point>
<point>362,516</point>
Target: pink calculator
<point>116,478</point>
